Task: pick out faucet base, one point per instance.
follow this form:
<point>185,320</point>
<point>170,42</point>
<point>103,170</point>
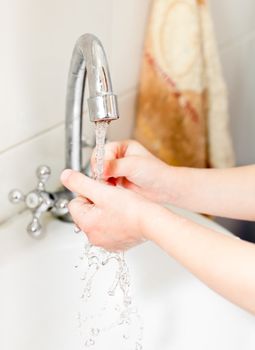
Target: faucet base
<point>60,209</point>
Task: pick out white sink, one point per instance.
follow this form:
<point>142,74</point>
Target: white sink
<point>39,296</point>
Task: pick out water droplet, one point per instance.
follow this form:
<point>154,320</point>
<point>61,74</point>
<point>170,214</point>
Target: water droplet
<point>88,294</point>
<point>95,332</point>
<point>127,301</point>
<point>95,259</point>
<point>117,308</point>
<point>120,322</point>
<point>76,229</point>
<point>138,346</point>
<point>90,342</point>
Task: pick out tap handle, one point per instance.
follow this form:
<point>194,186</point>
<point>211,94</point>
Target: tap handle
<point>43,173</point>
<point>34,228</point>
<point>16,196</point>
<point>38,200</point>
<point>36,197</point>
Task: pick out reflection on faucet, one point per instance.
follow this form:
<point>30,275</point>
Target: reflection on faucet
<point>88,63</point>
<point>88,60</point>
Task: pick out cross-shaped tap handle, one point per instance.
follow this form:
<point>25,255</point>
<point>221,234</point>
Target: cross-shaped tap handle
<point>38,200</point>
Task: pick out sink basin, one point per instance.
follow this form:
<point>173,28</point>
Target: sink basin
<point>39,295</point>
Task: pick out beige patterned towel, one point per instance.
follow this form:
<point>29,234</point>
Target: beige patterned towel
<point>182,114</point>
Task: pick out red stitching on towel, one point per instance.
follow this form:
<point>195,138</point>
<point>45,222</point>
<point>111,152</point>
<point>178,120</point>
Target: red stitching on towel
<point>177,93</point>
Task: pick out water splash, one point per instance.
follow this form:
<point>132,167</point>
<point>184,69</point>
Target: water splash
<point>93,260</point>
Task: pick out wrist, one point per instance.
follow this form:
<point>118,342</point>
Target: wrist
<point>176,185</point>
<point>151,220</point>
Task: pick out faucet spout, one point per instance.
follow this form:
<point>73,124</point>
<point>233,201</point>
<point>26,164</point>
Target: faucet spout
<point>89,64</point>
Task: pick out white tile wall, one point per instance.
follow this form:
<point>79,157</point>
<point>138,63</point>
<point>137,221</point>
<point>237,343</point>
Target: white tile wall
<point>18,166</point>
<point>37,39</point>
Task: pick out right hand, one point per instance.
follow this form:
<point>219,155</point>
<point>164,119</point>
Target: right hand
<point>129,164</point>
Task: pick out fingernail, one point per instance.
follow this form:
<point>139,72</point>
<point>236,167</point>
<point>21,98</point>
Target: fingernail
<point>65,174</point>
<point>79,201</point>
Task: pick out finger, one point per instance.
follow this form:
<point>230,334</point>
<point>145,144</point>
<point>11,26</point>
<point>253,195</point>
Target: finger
<point>80,211</point>
<point>112,150</point>
<point>135,148</point>
<point>80,203</point>
<point>84,199</point>
<point>123,167</point>
<point>93,190</point>
<point>116,149</point>
<point>85,216</point>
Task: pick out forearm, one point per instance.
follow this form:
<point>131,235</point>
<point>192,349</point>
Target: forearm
<point>224,263</point>
<point>220,192</point>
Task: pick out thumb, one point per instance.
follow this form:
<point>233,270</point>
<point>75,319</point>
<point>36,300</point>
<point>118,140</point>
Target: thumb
<point>86,187</point>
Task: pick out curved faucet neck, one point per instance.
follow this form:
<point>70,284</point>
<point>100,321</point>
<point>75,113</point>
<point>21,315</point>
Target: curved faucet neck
<point>88,63</point>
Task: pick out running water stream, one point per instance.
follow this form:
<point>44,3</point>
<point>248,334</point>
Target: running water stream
<point>114,308</point>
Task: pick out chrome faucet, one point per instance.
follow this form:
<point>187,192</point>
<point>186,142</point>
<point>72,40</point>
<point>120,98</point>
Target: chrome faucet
<point>89,60</point>
<point>89,64</point>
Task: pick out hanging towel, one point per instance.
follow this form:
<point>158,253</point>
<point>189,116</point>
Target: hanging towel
<point>182,110</point>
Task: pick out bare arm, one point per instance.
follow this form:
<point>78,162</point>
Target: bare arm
<point>225,263</point>
<point>221,192</point>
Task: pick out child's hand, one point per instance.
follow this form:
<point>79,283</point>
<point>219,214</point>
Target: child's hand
<point>130,165</point>
<point>111,217</point>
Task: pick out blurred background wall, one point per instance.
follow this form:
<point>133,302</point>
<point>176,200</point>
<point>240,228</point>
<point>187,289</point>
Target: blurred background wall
<point>234,23</point>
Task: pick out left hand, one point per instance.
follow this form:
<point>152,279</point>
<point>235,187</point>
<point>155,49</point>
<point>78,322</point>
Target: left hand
<point>112,217</point>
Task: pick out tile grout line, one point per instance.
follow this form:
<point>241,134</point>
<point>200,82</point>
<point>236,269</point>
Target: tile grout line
<point>12,215</point>
<point>31,138</point>
<point>45,131</point>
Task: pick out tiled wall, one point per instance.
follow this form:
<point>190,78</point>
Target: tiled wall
<point>37,39</point>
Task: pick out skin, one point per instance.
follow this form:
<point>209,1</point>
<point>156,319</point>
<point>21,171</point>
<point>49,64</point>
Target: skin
<point>120,217</point>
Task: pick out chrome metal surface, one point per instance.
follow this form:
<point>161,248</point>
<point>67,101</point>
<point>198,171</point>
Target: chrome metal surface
<point>89,64</point>
<point>40,201</point>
